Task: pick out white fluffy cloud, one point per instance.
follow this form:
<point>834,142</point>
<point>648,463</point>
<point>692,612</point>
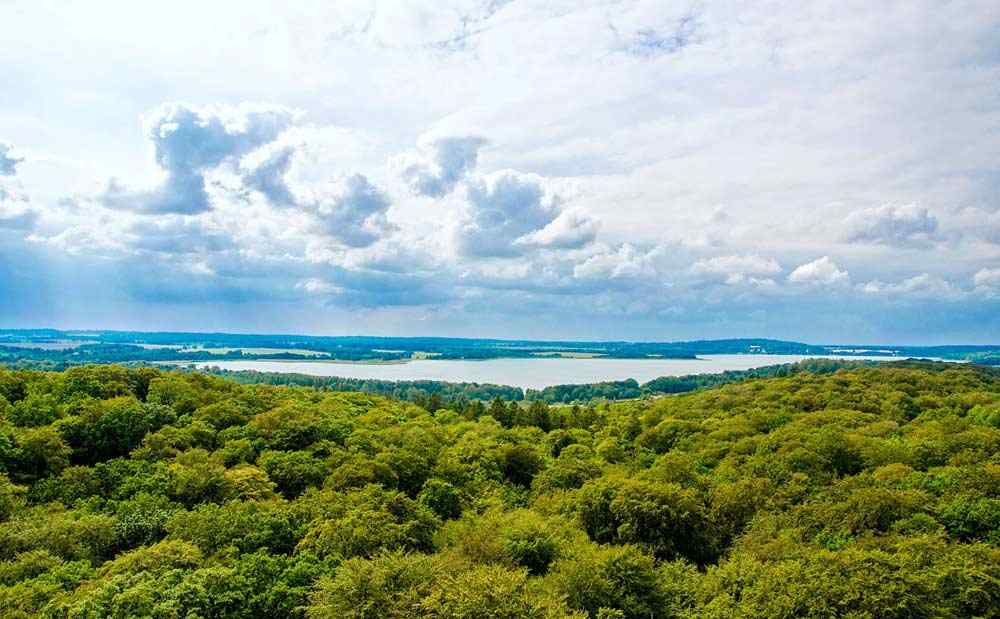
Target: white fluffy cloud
<point>624,261</point>
<point>987,277</point>
<point>316,286</point>
<point>507,212</point>
<point>923,285</point>
<point>739,270</point>
<point>822,271</point>
<point>571,229</point>
<point>987,281</point>
<point>189,141</point>
<point>561,156</point>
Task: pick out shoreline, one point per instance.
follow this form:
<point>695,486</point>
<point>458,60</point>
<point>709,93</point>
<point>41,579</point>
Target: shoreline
<point>407,361</point>
<point>525,373</point>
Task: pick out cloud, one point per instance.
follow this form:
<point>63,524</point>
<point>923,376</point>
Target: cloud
<point>353,212</point>
<point>508,212</point>
<point>923,286</point>
<point>748,270</point>
<point>647,41</point>
<point>189,141</point>
<point>974,223</point>
<point>571,229</point>
<point>8,162</point>
<point>16,215</point>
<point>891,225</point>
<point>363,288</point>
<point>447,25</point>
<point>316,286</point>
<point>173,235</point>
<point>179,193</point>
<point>439,165</point>
<point>987,281</point>
<point>822,271</point>
<point>743,265</point>
<point>16,212</point>
<point>266,173</point>
<point>987,277</point>
<point>638,113</point>
<point>624,261</point>
<point>17,220</point>
<point>347,208</point>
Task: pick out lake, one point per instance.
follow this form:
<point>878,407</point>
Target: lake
<point>524,373</point>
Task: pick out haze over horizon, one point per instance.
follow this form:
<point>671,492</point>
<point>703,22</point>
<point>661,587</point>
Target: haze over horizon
<point>483,337</point>
<point>613,170</point>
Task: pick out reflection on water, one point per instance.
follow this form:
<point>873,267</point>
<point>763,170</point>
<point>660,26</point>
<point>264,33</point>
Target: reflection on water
<point>524,373</point>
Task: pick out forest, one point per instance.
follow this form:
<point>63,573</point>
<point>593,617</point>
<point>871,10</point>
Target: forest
<point>862,492</point>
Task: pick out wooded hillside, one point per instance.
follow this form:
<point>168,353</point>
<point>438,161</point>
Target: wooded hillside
<point>872,492</point>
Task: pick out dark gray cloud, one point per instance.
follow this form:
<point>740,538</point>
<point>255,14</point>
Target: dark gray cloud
<point>8,162</point>
<point>441,165</point>
<point>356,214</point>
<point>188,142</point>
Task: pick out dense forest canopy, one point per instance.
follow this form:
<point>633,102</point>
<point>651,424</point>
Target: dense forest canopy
<point>865,492</point>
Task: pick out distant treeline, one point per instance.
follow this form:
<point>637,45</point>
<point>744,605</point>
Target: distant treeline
<point>122,346</point>
<point>410,390</point>
<point>56,350</point>
<point>446,392</point>
<point>85,354</point>
<point>630,389</point>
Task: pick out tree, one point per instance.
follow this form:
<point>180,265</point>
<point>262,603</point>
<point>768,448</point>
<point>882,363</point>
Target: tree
<point>293,471</point>
<point>371,520</point>
<point>442,498</point>
<point>196,477</point>
<point>40,452</point>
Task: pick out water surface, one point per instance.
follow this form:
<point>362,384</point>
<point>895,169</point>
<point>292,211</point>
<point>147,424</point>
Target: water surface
<point>524,373</point>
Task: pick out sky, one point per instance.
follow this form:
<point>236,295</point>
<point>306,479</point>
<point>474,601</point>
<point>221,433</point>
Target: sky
<point>615,169</point>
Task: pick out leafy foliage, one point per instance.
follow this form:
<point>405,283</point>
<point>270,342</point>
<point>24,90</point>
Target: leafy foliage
<point>818,492</point>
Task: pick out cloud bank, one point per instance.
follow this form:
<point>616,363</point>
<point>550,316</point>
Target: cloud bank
<point>573,169</point>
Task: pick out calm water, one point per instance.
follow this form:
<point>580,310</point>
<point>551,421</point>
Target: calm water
<point>524,373</point>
